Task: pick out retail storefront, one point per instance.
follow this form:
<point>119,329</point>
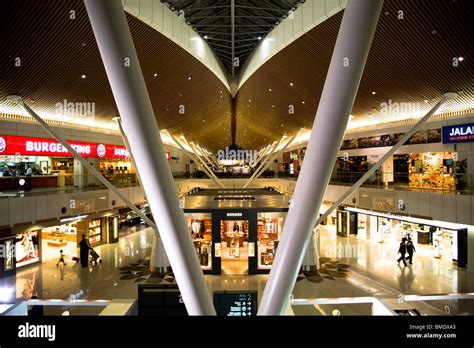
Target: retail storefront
<point>445,240</point>
<point>232,235</point>
<point>47,156</point>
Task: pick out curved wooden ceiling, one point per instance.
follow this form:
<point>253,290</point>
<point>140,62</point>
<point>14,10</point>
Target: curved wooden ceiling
<point>410,61</point>
<point>56,51</point>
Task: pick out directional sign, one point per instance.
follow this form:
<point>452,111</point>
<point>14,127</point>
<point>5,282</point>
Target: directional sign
<point>236,303</point>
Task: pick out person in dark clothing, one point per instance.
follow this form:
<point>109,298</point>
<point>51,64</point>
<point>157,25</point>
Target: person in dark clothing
<point>36,311</point>
<point>410,250</point>
<point>402,251</point>
<point>84,251</point>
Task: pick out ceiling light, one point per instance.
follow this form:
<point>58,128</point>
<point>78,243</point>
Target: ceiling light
<point>273,106</point>
<point>205,37</point>
<point>461,59</point>
<point>189,77</point>
<point>269,89</point>
<point>155,74</point>
<point>259,38</point>
<point>250,100</point>
<point>83,76</point>
<point>373,93</point>
<point>303,102</point>
<point>370,115</point>
<point>434,32</point>
<point>291,84</point>
<point>426,100</point>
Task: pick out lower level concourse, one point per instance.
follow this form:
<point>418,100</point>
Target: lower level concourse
<point>349,266</point>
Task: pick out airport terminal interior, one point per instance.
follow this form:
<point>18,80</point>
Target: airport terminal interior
<point>236,157</point>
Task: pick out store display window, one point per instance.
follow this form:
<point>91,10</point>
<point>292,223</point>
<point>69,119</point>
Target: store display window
<point>200,228</point>
<point>9,255</point>
<point>269,229</point>
<point>26,248</point>
<point>234,237</point>
<point>431,170</point>
<point>95,231</point>
<point>55,238</point>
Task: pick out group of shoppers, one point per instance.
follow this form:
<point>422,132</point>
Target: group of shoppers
<point>406,247</point>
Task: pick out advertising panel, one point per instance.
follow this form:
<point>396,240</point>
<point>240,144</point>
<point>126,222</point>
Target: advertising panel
<point>11,145</point>
<point>460,133</point>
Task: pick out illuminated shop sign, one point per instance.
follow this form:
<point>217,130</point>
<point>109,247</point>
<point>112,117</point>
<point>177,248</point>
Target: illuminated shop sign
<point>10,145</point>
<point>460,133</point>
<point>234,214</point>
<point>168,156</point>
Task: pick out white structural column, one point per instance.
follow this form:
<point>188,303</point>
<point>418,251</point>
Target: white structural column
<point>388,154</point>
<point>210,172</point>
<point>340,89</point>
<point>158,260</point>
<point>17,99</point>
<point>269,161</point>
<point>195,159</point>
<point>274,146</point>
<point>131,96</point>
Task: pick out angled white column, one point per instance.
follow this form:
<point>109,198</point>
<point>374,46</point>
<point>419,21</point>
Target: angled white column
<point>17,99</point>
<point>269,161</point>
<point>159,261</point>
<point>388,154</point>
<point>340,89</point>
<point>198,156</point>
<point>195,159</point>
<point>264,159</point>
<point>139,123</point>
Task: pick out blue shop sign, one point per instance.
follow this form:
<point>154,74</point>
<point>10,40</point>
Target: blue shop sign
<point>460,133</point>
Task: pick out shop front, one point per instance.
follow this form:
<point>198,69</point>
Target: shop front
<point>445,240</point>
<point>35,159</point>
<point>235,231</point>
<point>229,241</point>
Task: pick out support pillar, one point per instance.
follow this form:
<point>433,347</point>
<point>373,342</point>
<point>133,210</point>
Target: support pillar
<point>311,256</point>
<point>139,123</point>
<point>159,262</point>
<point>340,89</point>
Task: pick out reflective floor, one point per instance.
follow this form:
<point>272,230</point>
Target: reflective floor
<point>373,271</point>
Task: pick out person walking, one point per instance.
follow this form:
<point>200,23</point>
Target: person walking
<point>84,251</point>
<point>410,250</point>
<point>402,251</point>
<point>61,258</point>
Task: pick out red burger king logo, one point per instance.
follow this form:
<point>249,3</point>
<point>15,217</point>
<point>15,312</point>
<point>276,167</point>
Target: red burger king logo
<point>101,150</point>
<point>3,144</point>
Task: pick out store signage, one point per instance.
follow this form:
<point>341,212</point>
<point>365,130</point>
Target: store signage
<point>3,144</point>
<point>168,156</point>
<point>234,214</point>
<point>74,218</point>
<point>217,249</point>
<point>235,303</point>
<point>101,150</point>
<point>11,145</point>
<point>460,133</point>
<point>251,249</point>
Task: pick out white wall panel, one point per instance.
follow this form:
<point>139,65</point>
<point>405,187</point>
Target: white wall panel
<point>463,210</point>
<point>29,209</point>
<point>449,208</point>
<point>15,210</point>
<point>41,207</point>
<point>436,205</point>
<point>4,212</point>
<point>53,206</point>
